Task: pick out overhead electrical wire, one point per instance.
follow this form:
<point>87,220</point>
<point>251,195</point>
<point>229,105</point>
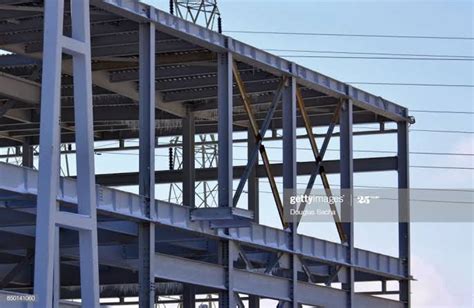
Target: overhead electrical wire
<point>379,58</point>
<point>396,36</point>
<point>412,84</point>
<point>370,53</point>
<point>441,111</point>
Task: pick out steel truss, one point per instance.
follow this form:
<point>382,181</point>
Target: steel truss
<point>161,248</point>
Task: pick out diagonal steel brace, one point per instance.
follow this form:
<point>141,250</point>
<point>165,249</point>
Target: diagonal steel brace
<point>319,157</point>
<point>253,123</point>
<point>253,157</point>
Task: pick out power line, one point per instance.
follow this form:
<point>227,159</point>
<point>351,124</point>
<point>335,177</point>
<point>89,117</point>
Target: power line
<point>442,111</point>
<point>442,131</point>
<point>379,58</point>
<point>413,84</point>
<point>354,35</point>
<point>427,130</point>
<point>442,167</point>
<point>370,53</point>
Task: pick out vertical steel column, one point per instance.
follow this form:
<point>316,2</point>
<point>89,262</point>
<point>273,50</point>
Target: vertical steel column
<point>224,97</point>
<point>146,238</point>
<point>290,173</point>
<point>404,210</point>
<point>49,218</point>
<point>225,104</point>
<point>189,297</point>
<point>347,210</point>
<point>49,155</point>
<point>27,153</point>
<point>189,172</point>
<point>83,118</point>
<point>253,197</point>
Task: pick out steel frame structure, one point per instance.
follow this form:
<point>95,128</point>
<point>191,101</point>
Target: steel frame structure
<point>132,71</point>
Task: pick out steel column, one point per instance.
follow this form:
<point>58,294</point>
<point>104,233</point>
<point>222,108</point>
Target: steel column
<point>404,210</point>
<point>253,198</point>
<point>253,181</point>
<point>290,174</point>
<point>146,240</point>
<point>189,296</point>
<point>224,160</point>
<point>27,154</point>
<point>347,210</point>
<point>49,218</point>
<point>189,173</point>
<point>225,177</point>
<point>49,156</point>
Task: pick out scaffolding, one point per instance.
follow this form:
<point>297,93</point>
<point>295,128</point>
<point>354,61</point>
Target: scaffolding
<point>121,70</point>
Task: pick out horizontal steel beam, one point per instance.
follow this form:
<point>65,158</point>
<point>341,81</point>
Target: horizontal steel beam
<point>111,202</point>
<point>266,286</point>
<point>20,89</point>
<point>216,42</point>
<point>210,174</point>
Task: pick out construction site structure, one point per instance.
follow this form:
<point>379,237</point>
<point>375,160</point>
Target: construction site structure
<point>84,78</point>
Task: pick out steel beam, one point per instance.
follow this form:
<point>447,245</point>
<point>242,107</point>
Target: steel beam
<point>268,286</point>
<point>258,135</point>
<point>146,232</point>
<point>404,211</point>
<point>189,296</point>
<point>318,158</point>
<point>27,157</point>
<point>241,88</point>
<point>347,184</point>
<point>115,203</point>
<point>49,217</point>
<point>49,156</point>
<point>211,174</point>
<point>289,178</point>
<point>253,180</point>
<point>189,172</point>
<point>225,178</point>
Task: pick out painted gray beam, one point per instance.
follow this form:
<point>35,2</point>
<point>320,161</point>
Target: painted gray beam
<point>224,174</point>
<point>49,159</point>
<point>224,159</point>
<point>290,178</point>
<point>404,211</point>
<point>146,231</point>
<point>27,157</point>
<point>253,180</point>
<point>347,184</point>
<point>212,275</point>
<point>100,78</point>
<point>189,172</point>
<point>126,205</point>
<point>209,174</point>
<point>19,89</point>
<point>211,93</point>
<point>243,52</point>
<point>49,218</point>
